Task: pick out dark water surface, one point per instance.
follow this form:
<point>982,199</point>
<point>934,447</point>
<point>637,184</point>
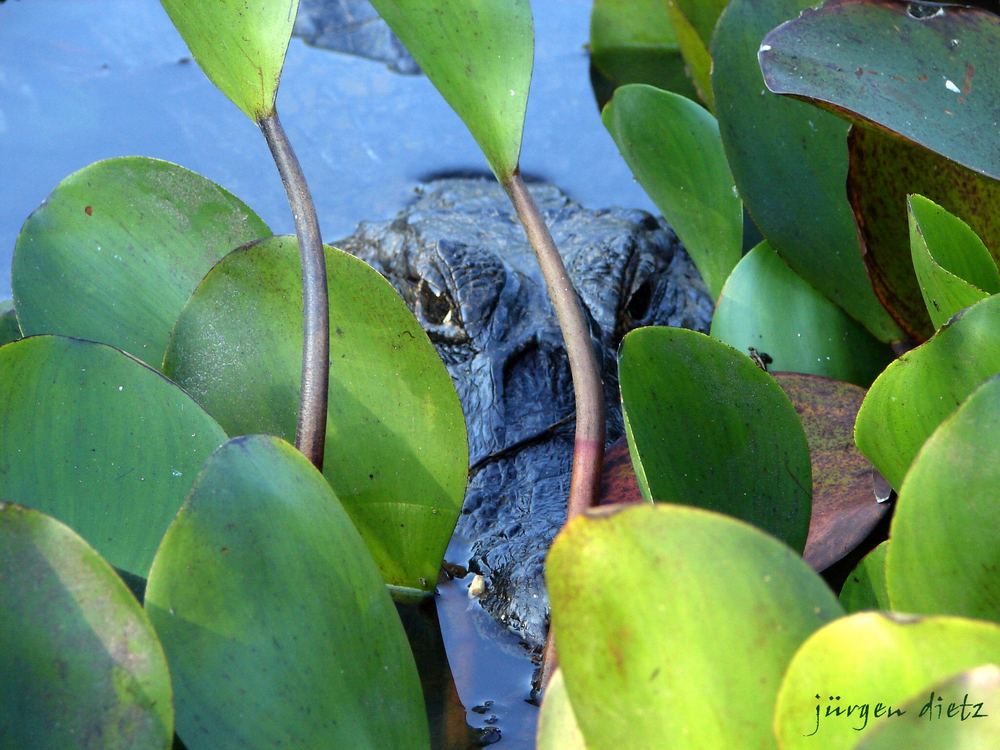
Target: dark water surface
<point>82,80</point>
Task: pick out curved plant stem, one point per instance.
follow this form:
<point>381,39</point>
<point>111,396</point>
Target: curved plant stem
<point>588,447</point>
<point>310,431</point>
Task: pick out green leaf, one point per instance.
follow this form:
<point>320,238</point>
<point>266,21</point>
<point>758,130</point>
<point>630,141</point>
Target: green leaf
<point>865,587</point>
<point>240,44</point>
<point>278,628</point>
<point>953,266</point>
<point>557,725</point>
<point>942,561</point>
<point>396,452</point>
<point>693,22</point>
<point>117,249</point>
<point>789,161</point>
<point>916,392</point>
<point>9,328</point>
<point>478,53</point>
<point>766,305</point>
<point>956,725</point>
<point>884,172</point>
<point>928,74</point>
<point>707,427</point>
<point>100,441</point>
<point>673,148</point>
<point>668,618</point>
<point>80,665</point>
<point>872,659</point>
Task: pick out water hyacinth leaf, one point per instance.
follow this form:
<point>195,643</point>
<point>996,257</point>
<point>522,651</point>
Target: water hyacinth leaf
<point>100,441</point>
<point>278,628</point>
<point>9,328</point>
<point>927,73</point>
<point>844,510</point>
<point>800,329</point>
<point>478,54</point>
<point>396,452</point>
<point>865,587</point>
<point>789,161</point>
<point>977,688</point>
<point>642,599</point>
<point>872,658</point>
<point>117,248</point>
<point>707,427</point>
<point>80,666</point>
<point>633,41</point>
<point>557,725</point>
<point>884,172</point>
<point>240,45</point>
<point>673,148</point>
<point>919,390</point>
<point>953,266</point>
<point>693,22</point>
<point>942,561</point>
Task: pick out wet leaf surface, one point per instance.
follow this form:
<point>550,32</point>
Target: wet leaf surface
<point>943,559</point>
<point>708,428</point>
<point>117,249</point>
<point>844,509</point>
<point>396,452</point>
<point>240,44</point>
<point>920,389</point>
<point>80,666</point>
<point>767,306</point>
<point>865,587</point>
<point>871,658</point>
<point>275,619</point>
<point>100,441</point>
<point>478,54</point>
<point>953,266</point>
<point>926,72</point>
<point>789,161</point>
<point>650,599</point>
<point>673,148</point>
<point>883,172</point>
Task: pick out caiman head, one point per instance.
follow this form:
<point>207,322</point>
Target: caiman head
<point>459,258</point>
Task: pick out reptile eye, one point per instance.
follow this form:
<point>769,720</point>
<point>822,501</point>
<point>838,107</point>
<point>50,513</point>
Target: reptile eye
<point>436,307</point>
<point>638,304</point>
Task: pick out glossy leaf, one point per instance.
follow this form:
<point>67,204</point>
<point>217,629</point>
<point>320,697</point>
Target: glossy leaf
<point>865,587</point>
<point>557,725</point>
<point>884,172</point>
<point>240,44</point>
<point>652,604</point>
<point>80,666</point>
<point>278,628</point>
<point>927,73</point>
<point>953,266</point>
<point>844,510</point>
<point>967,719</point>
<point>694,21</point>
<point>9,328</point>
<point>874,659</point>
<point>633,41</point>
<point>478,54</point>
<point>789,161</point>
<point>117,249</point>
<point>767,306</point>
<point>673,148</point>
<point>707,427</point>
<point>944,560</point>
<point>920,389</point>
<point>396,451</point>
<point>100,441</point>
